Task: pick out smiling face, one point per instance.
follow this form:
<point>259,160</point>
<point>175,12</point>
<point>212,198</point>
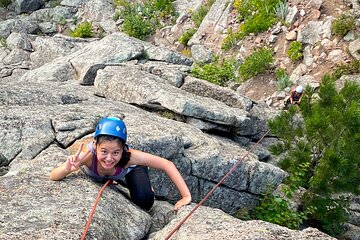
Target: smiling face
<point>109,153</point>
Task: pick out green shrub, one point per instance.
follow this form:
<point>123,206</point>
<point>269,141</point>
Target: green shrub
<point>138,27</point>
<point>229,41</point>
<point>5,3</point>
<point>61,21</point>
<point>352,67</point>
<point>258,15</point>
<point>281,10</point>
<point>121,3</point>
<point>83,30</point>
<point>165,7</point>
<point>139,21</point>
<point>259,22</point>
<point>217,72</point>
<point>117,15</point>
<point>74,20</point>
<point>142,19</point>
<point>295,51</point>
<point>343,24</point>
<point>330,214</point>
<point>184,39</point>
<point>125,4</point>
<point>258,62</point>
<point>3,42</point>
<point>249,8</point>
<point>276,210</point>
<point>282,78</point>
<point>243,214</point>
<point>199,15</point>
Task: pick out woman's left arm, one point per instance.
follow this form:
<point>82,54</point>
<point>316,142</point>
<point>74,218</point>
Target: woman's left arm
<point>146,159</point>
<point>302,94</point>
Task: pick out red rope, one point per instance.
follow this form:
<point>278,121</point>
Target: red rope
<point>93,209</point>
<point>213,189</point>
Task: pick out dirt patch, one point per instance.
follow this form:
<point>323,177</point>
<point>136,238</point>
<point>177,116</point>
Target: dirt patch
<point>259,87</point>
<point>333,7</point>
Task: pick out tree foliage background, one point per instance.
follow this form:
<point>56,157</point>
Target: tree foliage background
<point>324,134</point>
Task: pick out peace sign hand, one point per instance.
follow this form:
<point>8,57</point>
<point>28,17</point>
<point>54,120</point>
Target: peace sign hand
<point>74,162</point>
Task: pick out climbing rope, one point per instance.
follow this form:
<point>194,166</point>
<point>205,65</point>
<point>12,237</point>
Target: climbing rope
<point>213,189</point>
<point>93,209</point>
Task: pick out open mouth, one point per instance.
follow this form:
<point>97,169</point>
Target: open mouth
<point>108,164</point>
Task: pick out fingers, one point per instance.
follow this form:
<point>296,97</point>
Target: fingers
<point>67,165</point>
<point>84,155</point>
<point>80,149</point>
<point>182,202</point>
<point>77,159</point>
<point>72,159</point>
<point>73,162</point>
<point>178,206</point>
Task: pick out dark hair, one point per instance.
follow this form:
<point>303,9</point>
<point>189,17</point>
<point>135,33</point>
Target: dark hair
<point>125,157</point>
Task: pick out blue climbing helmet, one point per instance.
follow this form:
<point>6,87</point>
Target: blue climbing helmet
<point>111,126</point>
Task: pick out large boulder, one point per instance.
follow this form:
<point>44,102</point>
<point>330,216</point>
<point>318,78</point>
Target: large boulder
<point>207,223</point>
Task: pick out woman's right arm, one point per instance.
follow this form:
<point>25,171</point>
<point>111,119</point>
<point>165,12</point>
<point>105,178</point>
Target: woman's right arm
<point>73,163</point>
<point>62,171</point>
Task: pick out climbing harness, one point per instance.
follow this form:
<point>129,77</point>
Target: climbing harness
<point>93,209</point>
<point>191,212</point>
<point>213,189</point>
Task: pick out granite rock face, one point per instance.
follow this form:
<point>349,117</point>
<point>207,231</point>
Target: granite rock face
<point>208,223</point>
<point>47,109</point>
<point>55,88</point>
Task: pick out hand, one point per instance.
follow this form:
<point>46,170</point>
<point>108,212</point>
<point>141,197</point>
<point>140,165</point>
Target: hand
<point>182,202</point>
<point>73,162</point>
